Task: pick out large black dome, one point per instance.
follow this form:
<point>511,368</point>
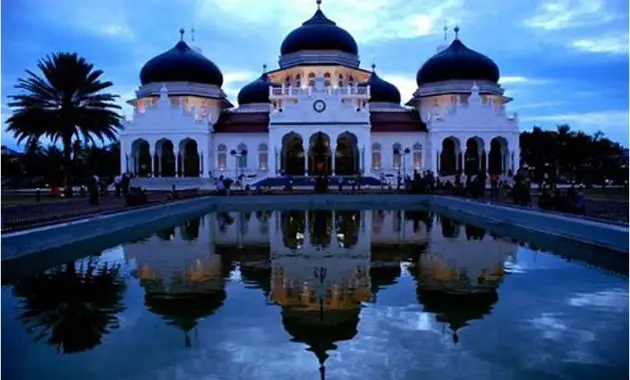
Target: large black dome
<point>319,33</point>
<point>381,90</point>
<point>256,91</point>
<point>181,64</point>
<point>457,62</point>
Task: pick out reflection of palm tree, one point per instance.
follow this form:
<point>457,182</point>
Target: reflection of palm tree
<point>73,307</point>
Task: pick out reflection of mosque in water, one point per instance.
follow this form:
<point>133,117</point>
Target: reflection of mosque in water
<point>320,266</point>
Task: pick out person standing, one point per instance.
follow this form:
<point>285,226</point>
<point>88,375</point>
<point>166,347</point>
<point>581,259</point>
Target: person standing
<point>117,183</point>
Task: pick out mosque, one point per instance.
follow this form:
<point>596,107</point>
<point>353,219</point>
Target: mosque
<point>319,112</point>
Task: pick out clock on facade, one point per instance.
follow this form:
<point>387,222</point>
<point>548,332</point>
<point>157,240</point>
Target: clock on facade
<point>319,106</point>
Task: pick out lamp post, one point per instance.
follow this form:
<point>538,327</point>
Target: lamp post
<point>406,153</point>
<point>238,155</point>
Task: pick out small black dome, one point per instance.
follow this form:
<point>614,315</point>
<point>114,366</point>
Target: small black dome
<point>181,64</point>
<point>319,33</point>
<point>256,91</point>
<point>458,62</point>
<point>381,90</point>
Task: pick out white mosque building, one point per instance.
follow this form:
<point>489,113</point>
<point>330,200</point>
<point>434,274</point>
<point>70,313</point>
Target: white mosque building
<point>319,112</point>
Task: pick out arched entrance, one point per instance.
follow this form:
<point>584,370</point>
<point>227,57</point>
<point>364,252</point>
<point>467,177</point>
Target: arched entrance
<point>141,153</point>
<point>165,158</point>
<point>474,157</point>
<point>498,156</point>
<point>449,156</point>
<point>347,155</point>
<point>292,158</point>
<point>320,161</point>
<point>189,163</point>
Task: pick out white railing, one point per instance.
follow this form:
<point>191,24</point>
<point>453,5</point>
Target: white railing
<point>290,91</point>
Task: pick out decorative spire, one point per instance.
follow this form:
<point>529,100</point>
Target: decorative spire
<point>373,66</point>
<point>181,34</point>
<point>456,30</point>
<point>445,31</point>
<point>192,33</point>
<point>319,4</point>
<point>264,68</point>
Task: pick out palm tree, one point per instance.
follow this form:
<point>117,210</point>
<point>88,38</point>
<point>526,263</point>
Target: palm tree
<point>64,103</point>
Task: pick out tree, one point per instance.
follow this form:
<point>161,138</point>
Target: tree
<point>64,103</point>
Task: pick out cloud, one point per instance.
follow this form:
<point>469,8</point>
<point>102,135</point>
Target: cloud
<point>367,21</point>
<point>566,14</point>
<point>102,18</point>
<point>519,80</point>
<point>611,44</point>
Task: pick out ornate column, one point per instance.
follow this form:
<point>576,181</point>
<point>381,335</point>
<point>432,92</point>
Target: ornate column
<point>362,160</point>
<point>276,161</point>
<point>333,157</point>
<point>152,172</point>
<point>305,148</point>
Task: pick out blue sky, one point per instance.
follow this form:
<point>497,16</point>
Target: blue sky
<point>564,61</point>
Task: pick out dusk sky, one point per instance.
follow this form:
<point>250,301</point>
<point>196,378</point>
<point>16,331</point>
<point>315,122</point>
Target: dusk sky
<point>563,61</point>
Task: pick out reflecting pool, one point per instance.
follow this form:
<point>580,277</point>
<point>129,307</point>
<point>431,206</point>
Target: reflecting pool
<point>318,294</point>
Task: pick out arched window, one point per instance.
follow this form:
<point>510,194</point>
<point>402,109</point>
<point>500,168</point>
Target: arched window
<point>221,157</point>
<point>311,79</point>
<point>340,80</point>
<point>263,156</point>
<point>397,155</point>
<point>376,157</point>
<point>287,80</point>
<point>241,156</point>
<point>417,156</point>
<point>350,80</point>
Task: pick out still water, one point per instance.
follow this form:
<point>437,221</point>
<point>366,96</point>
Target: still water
<point>318,294</point>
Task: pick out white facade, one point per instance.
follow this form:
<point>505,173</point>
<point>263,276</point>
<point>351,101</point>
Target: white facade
<point>182,129</point>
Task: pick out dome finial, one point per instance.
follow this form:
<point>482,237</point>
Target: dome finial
<point>456,30</point>
<point>373,66</point>
<point>264,68</point>
<point>192,33</point>
<point>319,4</point>
<point>181,34</point>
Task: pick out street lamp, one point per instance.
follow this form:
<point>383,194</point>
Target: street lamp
<point>238,155</point>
